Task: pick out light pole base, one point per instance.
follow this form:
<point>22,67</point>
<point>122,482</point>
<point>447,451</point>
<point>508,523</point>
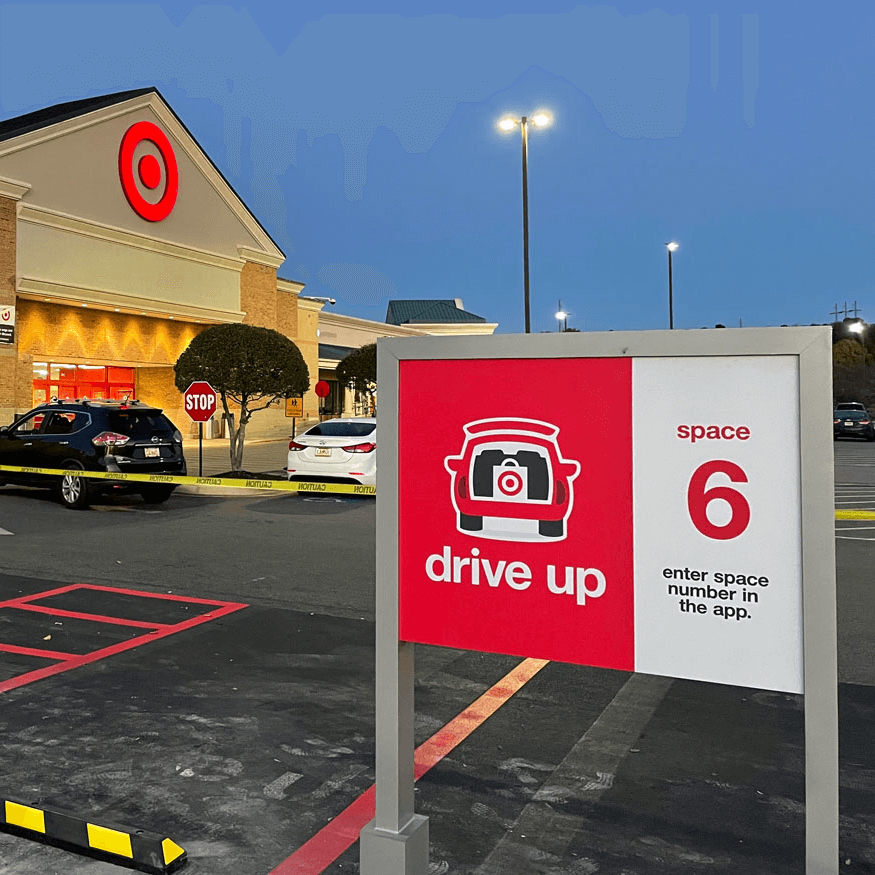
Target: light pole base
<point>384,852</point>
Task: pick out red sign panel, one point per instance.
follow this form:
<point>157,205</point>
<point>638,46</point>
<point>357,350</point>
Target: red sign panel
<point>200,401</point>
<point>512,480</point>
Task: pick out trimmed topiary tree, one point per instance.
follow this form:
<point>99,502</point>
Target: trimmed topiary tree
<point>250,366</point>
<point>358,371</point>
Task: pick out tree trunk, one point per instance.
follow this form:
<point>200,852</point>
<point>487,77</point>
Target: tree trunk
<point>236,433</point>
<point>237,443</point>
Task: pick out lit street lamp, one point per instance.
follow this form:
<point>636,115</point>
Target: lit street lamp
<point>671,248</point>
<point>540,120</point>
<point>562,318</point>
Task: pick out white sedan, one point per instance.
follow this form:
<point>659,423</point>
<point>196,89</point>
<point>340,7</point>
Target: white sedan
<point>339,450</point>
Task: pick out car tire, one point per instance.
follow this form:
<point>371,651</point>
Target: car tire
<point>74,491</point>
<point>551,528</point>
<point>156,494</point>
<point>470,523</point>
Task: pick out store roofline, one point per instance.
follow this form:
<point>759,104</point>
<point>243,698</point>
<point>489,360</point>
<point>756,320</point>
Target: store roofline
<point>61,112</point>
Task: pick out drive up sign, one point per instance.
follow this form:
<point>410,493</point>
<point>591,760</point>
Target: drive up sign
<point>657,502</point>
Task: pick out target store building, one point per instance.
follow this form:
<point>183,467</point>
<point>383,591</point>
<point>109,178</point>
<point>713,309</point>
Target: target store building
<point>120,240</point>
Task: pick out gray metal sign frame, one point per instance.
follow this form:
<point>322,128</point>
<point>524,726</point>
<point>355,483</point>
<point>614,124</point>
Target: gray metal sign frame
<point>396,841</point>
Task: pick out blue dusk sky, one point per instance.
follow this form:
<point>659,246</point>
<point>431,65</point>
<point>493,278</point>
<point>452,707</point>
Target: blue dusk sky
<point>364,138</point>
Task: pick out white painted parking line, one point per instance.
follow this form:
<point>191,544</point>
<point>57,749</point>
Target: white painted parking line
<point>4,532</point>
<point>586,773</point>
<point>276,789</point>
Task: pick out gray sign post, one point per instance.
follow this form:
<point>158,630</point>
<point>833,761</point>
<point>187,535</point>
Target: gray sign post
<point>395,842</point>
<point>669,372</point>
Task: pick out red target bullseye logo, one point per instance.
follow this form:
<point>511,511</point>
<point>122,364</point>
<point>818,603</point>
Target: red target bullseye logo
<point>148,171</point>
<point>510,482</point>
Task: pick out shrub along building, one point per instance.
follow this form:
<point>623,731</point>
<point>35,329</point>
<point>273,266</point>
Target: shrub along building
<point>120,240</point>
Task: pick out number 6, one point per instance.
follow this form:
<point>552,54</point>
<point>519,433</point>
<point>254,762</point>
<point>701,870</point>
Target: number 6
<point>698,499</point>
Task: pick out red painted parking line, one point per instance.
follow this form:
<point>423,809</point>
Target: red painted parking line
<point>79,615</point>
<point>319,852</point>
<point>32,651</point>
<point>67,661</point>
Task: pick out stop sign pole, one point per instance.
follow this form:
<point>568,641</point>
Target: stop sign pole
<point>200,405</point>
<point>322,389</point>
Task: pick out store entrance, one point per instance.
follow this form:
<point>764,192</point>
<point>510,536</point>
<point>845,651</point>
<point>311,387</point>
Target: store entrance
<point>67,382</point>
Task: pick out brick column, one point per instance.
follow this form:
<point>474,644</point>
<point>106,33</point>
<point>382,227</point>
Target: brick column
<point>9,389</point>
<point>258,295</point>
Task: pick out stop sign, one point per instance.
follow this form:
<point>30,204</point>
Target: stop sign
<point>322,389</point>
<point>200,401</point>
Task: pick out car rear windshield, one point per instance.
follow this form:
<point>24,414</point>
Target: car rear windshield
<point>342,429</point>
<point>139,423</point>
<point>853,414</point>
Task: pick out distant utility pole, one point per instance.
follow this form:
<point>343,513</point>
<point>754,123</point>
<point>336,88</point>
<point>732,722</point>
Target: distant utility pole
<point>844,311</point>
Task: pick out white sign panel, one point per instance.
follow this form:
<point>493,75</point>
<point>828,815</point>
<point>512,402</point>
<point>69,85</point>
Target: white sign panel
<point>7,324</point>
<point>718,576</point>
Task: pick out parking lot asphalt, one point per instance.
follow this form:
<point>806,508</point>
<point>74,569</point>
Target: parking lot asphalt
<point>245,735</point>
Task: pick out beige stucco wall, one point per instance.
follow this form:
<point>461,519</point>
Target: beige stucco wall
<point>80,265</point>
<point>123,266</point>
<point>339,330</point>
<point>59,333</point>
<point>73,169</point>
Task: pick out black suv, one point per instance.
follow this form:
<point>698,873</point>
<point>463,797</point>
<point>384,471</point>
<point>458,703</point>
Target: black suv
<point>83,435</point>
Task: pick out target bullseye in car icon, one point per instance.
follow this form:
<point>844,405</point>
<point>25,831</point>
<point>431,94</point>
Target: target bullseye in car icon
<point>510,482</point>
<point>140,168</point>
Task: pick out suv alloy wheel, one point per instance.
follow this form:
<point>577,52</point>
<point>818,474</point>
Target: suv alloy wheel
<point>73,490</point>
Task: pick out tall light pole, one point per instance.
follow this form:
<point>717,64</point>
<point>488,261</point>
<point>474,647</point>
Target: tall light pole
<point>671,248</point>
<point>562,318</point>
<point>539,120</point>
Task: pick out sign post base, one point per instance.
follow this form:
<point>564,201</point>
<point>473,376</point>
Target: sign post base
<point>384,852</point>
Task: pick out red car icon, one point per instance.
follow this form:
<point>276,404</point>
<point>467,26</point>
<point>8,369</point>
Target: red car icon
<point>510,471</point>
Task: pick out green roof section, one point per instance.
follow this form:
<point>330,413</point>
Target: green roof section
<point>428,311</point>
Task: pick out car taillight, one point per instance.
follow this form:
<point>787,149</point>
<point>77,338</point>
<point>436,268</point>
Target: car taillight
<point>110,439</point>
<point>360,448</point>
<point>296,447</point>
<point>836,421</point>
<point>864,422</point>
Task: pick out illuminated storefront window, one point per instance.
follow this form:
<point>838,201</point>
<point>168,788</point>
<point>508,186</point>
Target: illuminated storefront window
<point>66,382</point>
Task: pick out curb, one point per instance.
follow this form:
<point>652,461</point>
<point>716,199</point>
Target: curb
<point>227,491</point>
<point>122,845</point>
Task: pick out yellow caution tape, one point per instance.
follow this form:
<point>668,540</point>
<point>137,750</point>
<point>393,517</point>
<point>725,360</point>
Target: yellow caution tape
<point>855,515</point>
<point>279,485</point>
